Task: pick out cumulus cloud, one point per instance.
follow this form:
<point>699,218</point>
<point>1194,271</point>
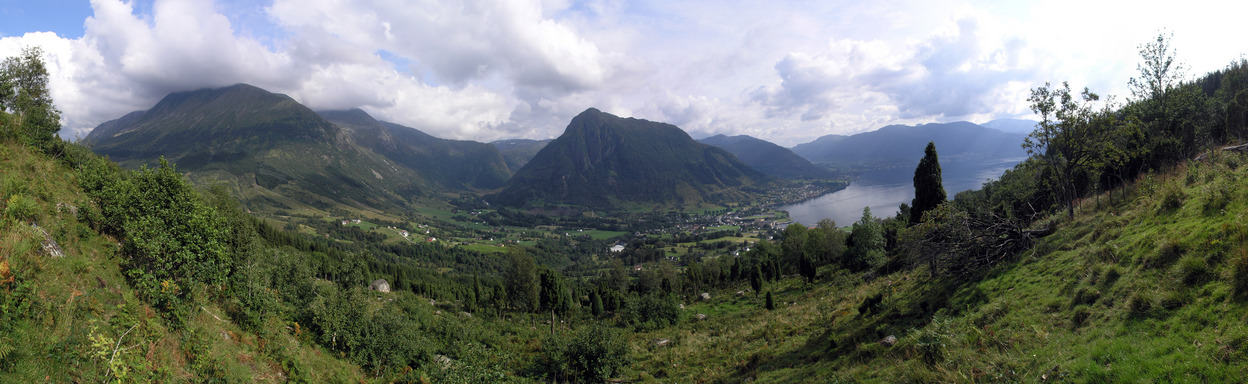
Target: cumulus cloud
<point>487,69</point>
<point>945,76</point>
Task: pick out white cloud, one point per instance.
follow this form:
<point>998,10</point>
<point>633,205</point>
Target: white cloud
<point>486,69</point>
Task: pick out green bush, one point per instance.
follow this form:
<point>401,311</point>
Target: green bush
<point>932,341</point>
<point>20,207</point>
<point>1193,270</point>
<point>1239,273</point>
<point>1140,305</point>
<point>1167,253</point>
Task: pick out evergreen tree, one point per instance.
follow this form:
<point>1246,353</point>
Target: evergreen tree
<point>928,190</point>
<point>771,303</point>
<point>756,281</point>
<point>595,301</point>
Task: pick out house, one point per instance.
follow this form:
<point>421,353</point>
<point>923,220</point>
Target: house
<point>617,247</point>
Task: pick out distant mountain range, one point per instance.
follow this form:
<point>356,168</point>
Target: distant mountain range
<point>768,158</point>
<point>518,152</point>
<point>277,154</point>
<point>602,160</point>
<point>902,145</point>
<point>1012,125</point>
<point>449,164</point>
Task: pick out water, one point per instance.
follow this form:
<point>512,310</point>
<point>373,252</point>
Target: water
<point>885,190</point>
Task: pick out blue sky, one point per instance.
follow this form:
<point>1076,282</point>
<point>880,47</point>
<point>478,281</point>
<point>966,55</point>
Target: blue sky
<point>785,71</point>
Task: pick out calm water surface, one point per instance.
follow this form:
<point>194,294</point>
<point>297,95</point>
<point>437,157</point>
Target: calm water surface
<point>885,190</point>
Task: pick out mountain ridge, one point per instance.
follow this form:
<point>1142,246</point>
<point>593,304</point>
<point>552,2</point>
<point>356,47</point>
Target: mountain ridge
<point>602,159</point>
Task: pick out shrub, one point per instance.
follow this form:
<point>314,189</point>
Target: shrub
<point>1084,296</point>
<point>1140,304</point>
<point>931,341</point>
<point>1193,270</point>
<point>1167,253</point>
<point>1239,273</point>
<point>1171,199</point>
<point>21,208</point>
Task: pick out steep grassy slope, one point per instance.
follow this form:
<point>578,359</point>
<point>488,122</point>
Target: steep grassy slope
<point>1147,284</point>
<point>75,318</point>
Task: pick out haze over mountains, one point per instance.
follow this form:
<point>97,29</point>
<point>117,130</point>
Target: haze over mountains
<point>769,158</point>
<point>278,154</point>
<point>902,145</point>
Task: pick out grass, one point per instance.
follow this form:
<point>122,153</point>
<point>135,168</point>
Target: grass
<point>1146,288</point>
<point>75,313</point>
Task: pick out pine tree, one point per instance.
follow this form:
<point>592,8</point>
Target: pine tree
<point>771,303</point>
<point>928,191</point>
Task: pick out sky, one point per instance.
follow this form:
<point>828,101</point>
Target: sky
<point>783,71</point>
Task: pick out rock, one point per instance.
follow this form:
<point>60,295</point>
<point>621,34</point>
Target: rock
<point>380,285</point>
<point>50,247</point>
<point>64,207</point>
<point>442,360</point>
<point>706,296</point>
<point>700,316</point>
<point>682,306</point>
<point>740,293</point>
<point>889,341</point>
<point>662,342</point>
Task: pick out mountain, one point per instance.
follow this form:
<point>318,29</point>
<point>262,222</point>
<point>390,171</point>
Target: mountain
<point>449,164</point>
<point>602,159</point>
<point>902,145</point>
<point>768,158</point>
<point>518,152</point>
<point>272,151</point>
<point>1012,125</point>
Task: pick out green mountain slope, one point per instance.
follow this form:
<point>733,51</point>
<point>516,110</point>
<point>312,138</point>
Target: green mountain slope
<point>602,159</point>
<point>274,152</point>
<point>449,164</point>
<point>768,158</point>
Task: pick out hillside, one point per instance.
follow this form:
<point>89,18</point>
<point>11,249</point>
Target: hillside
<point>273,152</point>
<point>896,145</point>
<point>1145,284</point>
<point>448,164</point>
<point>72,314</point>
<point>518,152</point>
<point>602,159</point>
<point>768,158</point>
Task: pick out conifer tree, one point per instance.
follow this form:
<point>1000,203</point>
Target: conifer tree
<point>928,191</point>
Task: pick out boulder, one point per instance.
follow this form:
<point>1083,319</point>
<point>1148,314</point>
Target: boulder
<point>706,296</point>
<point>889,341</point>
<point>700,316</point>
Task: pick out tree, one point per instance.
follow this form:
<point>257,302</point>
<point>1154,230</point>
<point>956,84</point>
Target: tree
<point>521,280</point>
<point>771,303</point>
<point>24,94</point>
<point>928,190</point>
<point>867,239</point>
<point>756,281</point>
<point>1159,72</point>
<point>1068,138</point>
